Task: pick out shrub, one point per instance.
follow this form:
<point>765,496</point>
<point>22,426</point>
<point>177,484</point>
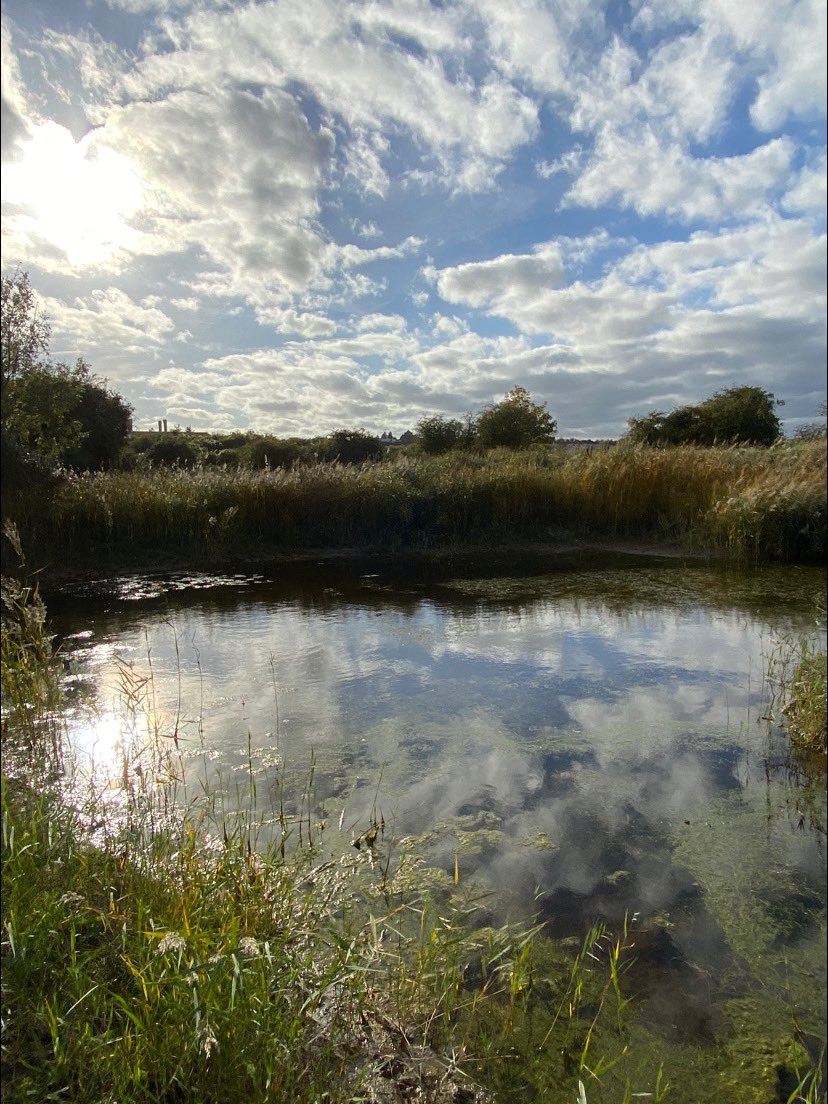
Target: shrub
<point>351,446</point>
<point>739,415</point>
<point>516,422</point>
<point>267,452</point>
<point>437,434</point>
<point>170,450</point>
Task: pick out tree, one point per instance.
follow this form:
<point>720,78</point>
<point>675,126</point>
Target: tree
<point>106,422</point>
<point>24,334</point>
<point>438,434</point>
<point>52,414</point>
<point>740,415</point>
<point>171,450</point>
<point>39,412</point>
<point>813,431</point>
<point>737,415</point>
<point>516,422</point>
<point>352,446</point>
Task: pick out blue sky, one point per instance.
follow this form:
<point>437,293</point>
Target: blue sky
<point>299,215</point>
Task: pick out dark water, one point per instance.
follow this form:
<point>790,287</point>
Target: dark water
<point>587,741</point>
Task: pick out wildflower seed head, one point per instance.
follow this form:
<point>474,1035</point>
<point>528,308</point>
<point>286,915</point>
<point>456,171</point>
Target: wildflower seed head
<point>70,899</point>
<point>248,946</point>
<point>172,941</point>
<point>207,1042</point>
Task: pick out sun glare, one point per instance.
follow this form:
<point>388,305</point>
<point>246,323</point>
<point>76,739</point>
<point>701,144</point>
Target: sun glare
<point>77,196</point>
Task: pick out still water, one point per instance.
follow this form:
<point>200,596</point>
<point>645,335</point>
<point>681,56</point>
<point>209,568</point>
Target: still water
<point>586,741</point>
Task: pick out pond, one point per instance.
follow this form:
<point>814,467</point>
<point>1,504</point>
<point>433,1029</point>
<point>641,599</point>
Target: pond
<point>586,739</point>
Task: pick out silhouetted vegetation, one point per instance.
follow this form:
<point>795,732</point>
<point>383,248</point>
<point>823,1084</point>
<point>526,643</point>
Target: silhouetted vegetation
<point>53,415</point>
<point>739,415</point>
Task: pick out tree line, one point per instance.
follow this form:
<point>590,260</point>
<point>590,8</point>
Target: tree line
<point>57,415</point>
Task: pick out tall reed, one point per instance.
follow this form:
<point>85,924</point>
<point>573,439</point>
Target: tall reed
<point>747,502</point>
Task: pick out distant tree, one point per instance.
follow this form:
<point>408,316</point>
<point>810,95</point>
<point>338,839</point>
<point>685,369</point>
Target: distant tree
<point>171,450</point>
<point>515,422</point>
<point>738,415</point>
<point>438,434</point>
<point>271,452</point>
<point>743,415</point>
<point>813,431</point>
<point>351,446</point>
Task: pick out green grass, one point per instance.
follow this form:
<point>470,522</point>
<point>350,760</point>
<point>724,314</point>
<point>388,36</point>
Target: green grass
<point>798,672</point>
<point>806,702</point>
<point>746,502</point>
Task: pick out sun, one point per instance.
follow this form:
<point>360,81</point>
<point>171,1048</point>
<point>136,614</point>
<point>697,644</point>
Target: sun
<point>75,196</point>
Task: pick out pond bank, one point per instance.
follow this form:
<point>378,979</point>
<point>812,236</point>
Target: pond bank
<point>530,557</point>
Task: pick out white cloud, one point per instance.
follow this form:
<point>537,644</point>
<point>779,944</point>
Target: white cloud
<point>394,322</point>
<point>345,54</point>
<point>252,158</point>
<point>781,44</point>
<point>502,283</point>
<point>291,321</point>
<point>641,172</point>
<point>351,256</point>
<point>807,192</point>
<point>15,127</point>
<point>108,328</point>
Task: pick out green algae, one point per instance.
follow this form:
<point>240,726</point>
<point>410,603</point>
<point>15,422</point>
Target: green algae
<point>773,917</point>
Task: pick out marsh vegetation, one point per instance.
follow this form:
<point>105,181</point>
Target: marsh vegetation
<point>748,503</point>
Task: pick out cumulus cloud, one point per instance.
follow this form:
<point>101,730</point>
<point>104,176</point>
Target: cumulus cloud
<point>503,283</point>
<point>108,328</point>
<point>234,173</point>
<point>277,170</point>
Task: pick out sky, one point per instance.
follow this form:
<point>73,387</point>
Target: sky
<point>294,216</point>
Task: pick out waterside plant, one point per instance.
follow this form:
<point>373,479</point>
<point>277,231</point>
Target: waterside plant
<point>751,503</point>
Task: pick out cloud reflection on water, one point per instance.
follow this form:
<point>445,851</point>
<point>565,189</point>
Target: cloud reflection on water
<point>592,722</point>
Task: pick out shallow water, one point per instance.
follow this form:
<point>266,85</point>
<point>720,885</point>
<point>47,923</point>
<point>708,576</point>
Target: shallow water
<point>587,742</point>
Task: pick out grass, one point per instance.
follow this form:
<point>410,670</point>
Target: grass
<point>152,954</point>
<point>806,710</point>
<point>797,673</point>
<point>746,502</point>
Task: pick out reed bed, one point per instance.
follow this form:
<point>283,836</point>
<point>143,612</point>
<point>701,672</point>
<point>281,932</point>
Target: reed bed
<point>748,502</point>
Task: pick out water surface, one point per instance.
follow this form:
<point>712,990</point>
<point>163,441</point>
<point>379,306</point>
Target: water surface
<point>587,742</point>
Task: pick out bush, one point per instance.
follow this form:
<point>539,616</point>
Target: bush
<point>437,434</point>
<point>739,415</point>
<point>516,422</point>
<point>351,446</point>
<point>170,450</point>
<point>270,452</point>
